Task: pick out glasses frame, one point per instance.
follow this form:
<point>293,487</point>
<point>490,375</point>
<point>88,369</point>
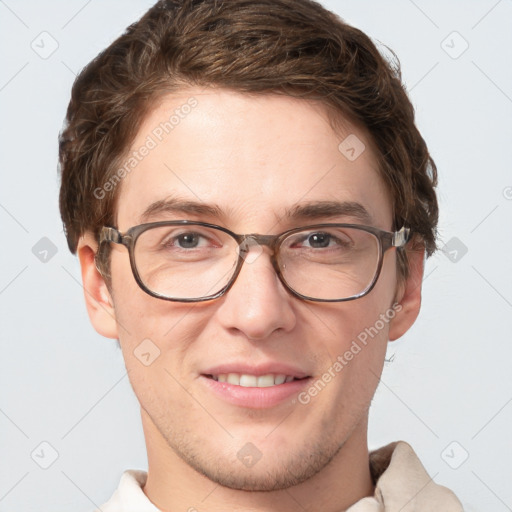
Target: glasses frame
<point>386,239</point>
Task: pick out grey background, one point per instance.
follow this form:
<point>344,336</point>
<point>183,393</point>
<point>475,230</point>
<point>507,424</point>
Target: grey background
<point>447,388</point>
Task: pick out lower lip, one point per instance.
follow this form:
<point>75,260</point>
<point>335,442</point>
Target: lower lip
<point>255,398</point>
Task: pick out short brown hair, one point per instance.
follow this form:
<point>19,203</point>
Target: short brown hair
<point>291,47</point>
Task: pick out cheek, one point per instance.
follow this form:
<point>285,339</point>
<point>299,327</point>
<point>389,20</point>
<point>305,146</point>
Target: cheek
<point>362,320</point>
<point>151,330</point>
<point>138,315</point>
<point>361,356</point>
<point>155,339</point>
<point>359,334</point>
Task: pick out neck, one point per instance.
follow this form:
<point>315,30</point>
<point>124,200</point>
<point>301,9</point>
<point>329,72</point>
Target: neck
<point>173,485</point>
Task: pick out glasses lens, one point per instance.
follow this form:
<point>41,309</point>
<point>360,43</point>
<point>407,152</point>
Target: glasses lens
<point>185,261</point>
<point>330,263</point>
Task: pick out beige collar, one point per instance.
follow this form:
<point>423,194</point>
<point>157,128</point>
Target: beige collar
<point>403,485</point>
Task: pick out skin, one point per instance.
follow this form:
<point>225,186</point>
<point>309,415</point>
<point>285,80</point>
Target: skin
<point>253,156</point>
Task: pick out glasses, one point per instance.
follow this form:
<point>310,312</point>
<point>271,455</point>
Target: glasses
<point>188,261</point>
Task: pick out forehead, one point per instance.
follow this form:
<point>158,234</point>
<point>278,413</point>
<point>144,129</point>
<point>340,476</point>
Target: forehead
<point>253,158</point>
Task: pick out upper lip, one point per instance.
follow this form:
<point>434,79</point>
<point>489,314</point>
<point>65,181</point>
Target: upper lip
<point>257,370</point>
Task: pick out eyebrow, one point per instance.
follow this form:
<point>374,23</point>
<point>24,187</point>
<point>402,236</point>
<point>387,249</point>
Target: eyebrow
<point>312,210</point>
<point>180,206</point>
<point>321,209</point>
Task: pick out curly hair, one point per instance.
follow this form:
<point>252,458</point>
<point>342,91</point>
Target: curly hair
<point>292,47</point>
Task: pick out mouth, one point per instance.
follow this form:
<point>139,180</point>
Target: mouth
<point>262,389</point>
<point>254,381</point>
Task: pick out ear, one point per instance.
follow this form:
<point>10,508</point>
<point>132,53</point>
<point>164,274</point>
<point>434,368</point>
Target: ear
<point>98,300</point>
<point>408,295</point>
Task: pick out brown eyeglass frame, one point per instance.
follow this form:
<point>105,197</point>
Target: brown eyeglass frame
<point>386,239</point>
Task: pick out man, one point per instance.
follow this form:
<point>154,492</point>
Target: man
<point>251,204</point>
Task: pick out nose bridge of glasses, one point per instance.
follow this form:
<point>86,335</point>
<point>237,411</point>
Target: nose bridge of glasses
<point>254,239</point>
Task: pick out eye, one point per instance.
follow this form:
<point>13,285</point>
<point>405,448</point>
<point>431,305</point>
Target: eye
<point>188,240</point>
<point>319,240</point>
<point>322,240</point>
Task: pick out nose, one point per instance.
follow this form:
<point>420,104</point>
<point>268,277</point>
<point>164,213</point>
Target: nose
<point>257,304</point>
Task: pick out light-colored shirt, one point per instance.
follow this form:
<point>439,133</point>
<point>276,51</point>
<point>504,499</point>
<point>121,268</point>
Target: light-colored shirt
<point>401,484</point>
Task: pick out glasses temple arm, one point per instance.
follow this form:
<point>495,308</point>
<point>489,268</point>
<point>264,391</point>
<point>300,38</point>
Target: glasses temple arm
<point>110,235</point>
<point>401,237</point>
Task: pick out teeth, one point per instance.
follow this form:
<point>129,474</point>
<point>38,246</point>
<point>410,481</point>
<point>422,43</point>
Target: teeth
<point>247,381</point>
<point>253,381</point>
<point>280,379</point>
<point>263,381</point>
<point>233,378</point>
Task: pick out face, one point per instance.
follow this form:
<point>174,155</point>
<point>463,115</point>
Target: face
<point>254,159</point>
